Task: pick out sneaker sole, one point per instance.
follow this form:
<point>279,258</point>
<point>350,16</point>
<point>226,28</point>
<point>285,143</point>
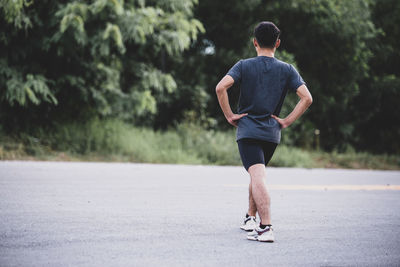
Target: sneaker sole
<point>267,241</point>
<point>252,238</point>
<point>256,239</point>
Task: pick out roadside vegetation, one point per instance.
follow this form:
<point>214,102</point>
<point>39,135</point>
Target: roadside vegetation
<point>114,140</point>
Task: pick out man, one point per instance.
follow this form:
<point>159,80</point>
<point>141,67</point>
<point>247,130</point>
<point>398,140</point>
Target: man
<point>264,82</point>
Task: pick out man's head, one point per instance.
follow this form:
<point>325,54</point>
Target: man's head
<point>267,35</point>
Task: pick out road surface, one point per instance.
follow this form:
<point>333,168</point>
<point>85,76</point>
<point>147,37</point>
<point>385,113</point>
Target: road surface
<point>120,214</point>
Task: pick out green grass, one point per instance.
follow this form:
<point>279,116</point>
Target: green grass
<point>112,140</point>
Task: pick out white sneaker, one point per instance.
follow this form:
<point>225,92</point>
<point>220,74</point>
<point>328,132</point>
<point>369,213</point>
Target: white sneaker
<point>249,224</point>
<point>262,235</point>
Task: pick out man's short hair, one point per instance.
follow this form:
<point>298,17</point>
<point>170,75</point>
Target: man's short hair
<point>266,34</point>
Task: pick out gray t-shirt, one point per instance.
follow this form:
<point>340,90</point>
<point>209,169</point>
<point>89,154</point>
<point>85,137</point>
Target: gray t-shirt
<point>264,83</point>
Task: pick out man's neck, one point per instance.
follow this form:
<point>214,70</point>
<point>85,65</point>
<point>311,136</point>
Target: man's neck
<point>266,52</point>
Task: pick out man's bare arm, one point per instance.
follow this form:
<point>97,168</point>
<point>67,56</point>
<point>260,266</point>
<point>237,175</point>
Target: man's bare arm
<point>301,107</point>
<point>223,100</point>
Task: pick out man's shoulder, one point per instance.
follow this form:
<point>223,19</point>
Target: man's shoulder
<point>249,63</point>
<point>282,62</point>
<point>250,59</point>
<point>274,60</point>
<point>286,66</point>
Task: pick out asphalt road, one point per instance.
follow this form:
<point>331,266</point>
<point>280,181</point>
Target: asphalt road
<point>114,214</point>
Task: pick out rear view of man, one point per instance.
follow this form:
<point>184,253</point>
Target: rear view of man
<point>264,82</point>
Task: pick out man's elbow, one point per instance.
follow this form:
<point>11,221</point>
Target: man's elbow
<point>219,89</point>
<point>309,100</point>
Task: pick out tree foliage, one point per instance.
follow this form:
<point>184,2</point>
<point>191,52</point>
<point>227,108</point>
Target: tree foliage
<point>92,57</point>
<point>375,109</point>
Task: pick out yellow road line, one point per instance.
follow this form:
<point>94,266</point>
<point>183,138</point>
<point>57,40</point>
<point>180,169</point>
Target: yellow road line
<point>349,187</point>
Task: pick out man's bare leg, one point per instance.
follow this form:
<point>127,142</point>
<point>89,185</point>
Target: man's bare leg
<point>260,193</point>
<point>252,205</point>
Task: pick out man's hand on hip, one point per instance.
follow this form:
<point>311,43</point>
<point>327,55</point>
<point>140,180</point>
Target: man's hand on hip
<point>282,122</point>
<point>233,119</point>
<point>302,105</point>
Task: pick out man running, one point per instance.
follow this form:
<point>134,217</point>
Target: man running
<point>264,82</point>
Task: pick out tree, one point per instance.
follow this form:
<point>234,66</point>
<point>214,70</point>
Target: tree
<point>376,105</point>
<point>69,60</point>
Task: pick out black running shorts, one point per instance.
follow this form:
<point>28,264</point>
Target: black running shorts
<point>253,151</point>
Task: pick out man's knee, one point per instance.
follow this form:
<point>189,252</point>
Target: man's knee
<point>257,171</point>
